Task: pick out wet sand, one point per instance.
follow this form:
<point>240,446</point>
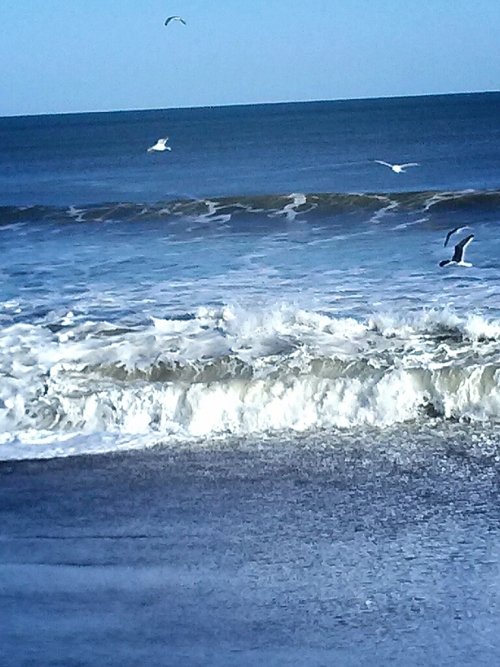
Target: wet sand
<point>298,554</point>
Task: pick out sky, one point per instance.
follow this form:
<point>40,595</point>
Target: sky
<point>59,56</point>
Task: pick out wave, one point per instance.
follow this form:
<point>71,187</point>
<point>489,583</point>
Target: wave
<point>274,206</point>
<point>232,372</point>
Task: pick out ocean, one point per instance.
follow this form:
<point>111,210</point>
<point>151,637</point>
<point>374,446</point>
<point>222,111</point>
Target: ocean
<point>245,416</point>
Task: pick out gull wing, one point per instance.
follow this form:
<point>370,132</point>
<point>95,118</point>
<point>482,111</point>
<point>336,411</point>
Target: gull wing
<point>450,233</point>
<point>459,253</point>
<point>387,164</point>
<point>455,230</point>
<point>410,164</point>
<point>175,18</point>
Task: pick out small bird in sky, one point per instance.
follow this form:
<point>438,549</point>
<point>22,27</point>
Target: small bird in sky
<point>161,145</point>
<point>459,253</point>
<point>175,18</point>
<point>398,168</point>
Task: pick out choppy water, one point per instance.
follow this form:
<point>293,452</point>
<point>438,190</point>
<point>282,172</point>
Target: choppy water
<point>132,323</point>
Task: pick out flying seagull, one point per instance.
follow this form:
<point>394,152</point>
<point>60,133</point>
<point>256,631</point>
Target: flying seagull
<point>398,168</point>
<point>161,145</point>
<point>175,18</point>
<point>455,230</point>
<point>458,255</point>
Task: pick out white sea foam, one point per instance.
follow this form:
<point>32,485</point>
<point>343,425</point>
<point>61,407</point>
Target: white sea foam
<point>439,197</point>
<point>83,385</point>
<point>473,327</point>
<point>290,210</point>
<point>390,206</point>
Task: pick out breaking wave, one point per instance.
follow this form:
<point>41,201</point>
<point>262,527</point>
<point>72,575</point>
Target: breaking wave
<point>229,371</point>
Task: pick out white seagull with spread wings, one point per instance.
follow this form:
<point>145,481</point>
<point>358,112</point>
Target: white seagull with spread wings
<point>161,145</point>
<point>398,168</point>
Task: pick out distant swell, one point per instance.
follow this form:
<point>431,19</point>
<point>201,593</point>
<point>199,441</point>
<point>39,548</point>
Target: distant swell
<point>278,206</point>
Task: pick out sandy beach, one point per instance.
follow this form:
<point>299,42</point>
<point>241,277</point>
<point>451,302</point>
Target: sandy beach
<point>282,554</point>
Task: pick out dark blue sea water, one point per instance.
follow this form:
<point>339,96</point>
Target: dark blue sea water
<point>245,416</point>
<point>244,150</point>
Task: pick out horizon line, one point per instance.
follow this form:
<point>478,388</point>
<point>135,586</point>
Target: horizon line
<point>248,104</point>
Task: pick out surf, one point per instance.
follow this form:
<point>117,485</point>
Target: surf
<point>231,371</point>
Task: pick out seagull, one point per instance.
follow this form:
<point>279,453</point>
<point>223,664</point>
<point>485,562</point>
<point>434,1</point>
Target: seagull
<point>175,18</point>
<point>398,168</point>
<point>458,255</point>
<point>161,145</point>
<point>455,230</point>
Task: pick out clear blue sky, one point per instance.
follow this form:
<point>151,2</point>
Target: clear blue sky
<point>84,55</point>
